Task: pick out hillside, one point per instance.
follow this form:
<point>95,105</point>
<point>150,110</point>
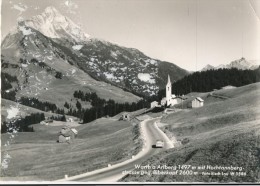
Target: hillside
<point>42,158</point>
<point>223,133</point>
<point>37,74</point>
<point>23,110</point>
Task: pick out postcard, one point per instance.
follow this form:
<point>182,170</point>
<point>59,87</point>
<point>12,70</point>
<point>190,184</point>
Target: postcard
<point>130,91</point>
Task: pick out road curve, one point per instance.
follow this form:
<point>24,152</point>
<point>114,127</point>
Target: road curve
<point>150,133</point>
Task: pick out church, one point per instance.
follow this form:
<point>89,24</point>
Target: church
<point>170,98</point>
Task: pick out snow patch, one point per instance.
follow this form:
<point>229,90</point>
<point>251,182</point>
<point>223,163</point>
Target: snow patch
<point>50,57</point>
<point>113,69</point>
<point>153,62</point>
<point>114,54</point>
<point>12,112</point>
<point>25,31</point>
<point>146,78</point>
<point>77,47</point>
<point>109,76</point>
<point>24,65</point>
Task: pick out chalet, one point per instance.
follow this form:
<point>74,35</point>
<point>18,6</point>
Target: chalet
<point>197,102</point>
<point>67,134</point>
<point>154,104</point>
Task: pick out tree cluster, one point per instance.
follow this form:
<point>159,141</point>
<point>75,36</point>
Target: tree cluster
<point>44,106</point>
<point>58,118</point>
<point>23,124</point>
<point>6,81</point>
<point>102,107</point>
<point>206,81</point>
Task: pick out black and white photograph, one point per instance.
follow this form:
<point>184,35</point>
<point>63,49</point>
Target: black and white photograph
<point>130,91</point>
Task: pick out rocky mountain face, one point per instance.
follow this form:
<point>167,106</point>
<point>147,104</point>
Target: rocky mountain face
<point>241,64</point>
<point>52,56</point>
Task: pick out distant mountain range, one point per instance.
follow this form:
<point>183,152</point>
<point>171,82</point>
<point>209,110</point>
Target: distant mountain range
<point>241,64</point>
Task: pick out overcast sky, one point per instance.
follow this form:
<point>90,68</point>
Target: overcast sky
<point>189,33</point>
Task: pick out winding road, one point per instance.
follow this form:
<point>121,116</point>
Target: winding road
<point>150,133</point>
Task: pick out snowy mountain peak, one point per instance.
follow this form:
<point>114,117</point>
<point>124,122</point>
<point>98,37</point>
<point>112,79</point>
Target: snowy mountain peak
<point>53,24</point>
<point>51,10</point>
<point>241,63</point>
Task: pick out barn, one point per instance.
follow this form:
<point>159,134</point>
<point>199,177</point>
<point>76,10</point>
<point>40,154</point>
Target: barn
<point>67,134</point>
<point>197,102</point>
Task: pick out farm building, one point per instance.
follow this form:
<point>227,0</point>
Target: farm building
<point>197,102</point>
<point>180,99</point>
<point>67,134</point>
<point>70,120</point>
<point>154,104</point>
<point>44,123</point>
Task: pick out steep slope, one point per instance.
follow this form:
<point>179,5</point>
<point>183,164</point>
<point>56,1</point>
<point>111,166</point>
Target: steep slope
<point>54,25</point>
<point>123,67</point>
<point>45,70</point>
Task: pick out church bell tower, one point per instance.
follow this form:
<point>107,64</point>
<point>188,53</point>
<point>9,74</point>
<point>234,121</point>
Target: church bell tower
<point>168,91</point>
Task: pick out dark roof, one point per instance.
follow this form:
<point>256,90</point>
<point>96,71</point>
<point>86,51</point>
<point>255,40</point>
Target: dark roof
<point>199,99</point>
<point>66,132</point>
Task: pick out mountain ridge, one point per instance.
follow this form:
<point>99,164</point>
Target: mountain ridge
<point>241,64</point>
<point>46,64</point>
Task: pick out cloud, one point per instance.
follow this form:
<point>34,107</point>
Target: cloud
<point>21,8</point>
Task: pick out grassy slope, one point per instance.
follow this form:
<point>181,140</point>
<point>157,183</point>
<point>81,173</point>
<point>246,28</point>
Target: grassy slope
<point>37,155</point>
<point>23,110</point>
<point>220,133</point>
<point>44,86</point>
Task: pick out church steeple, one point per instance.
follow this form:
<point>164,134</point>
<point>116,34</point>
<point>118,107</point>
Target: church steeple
<point>169,80</point>
<point>168,91</point>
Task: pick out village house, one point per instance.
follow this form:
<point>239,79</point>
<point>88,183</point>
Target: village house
<point>180,99</point>
<point>197,102</point>
<point>163,101</point>
<point>154,104</point>
<point>67,134</point>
